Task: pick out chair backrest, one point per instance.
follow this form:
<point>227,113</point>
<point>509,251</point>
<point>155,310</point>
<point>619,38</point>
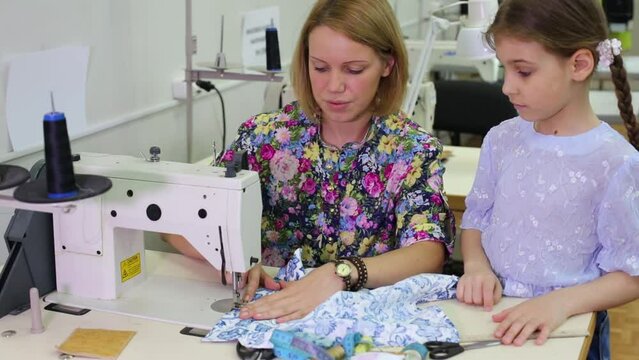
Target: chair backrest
<point>465,106</point>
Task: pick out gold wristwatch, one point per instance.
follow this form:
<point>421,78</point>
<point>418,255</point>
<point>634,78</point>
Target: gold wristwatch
<point>343,270</point>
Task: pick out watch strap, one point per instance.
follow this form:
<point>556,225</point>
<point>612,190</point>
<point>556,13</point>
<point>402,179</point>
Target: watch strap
<point>362,272</point>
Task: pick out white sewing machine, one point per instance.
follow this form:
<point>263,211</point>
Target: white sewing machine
<point>99,246</point>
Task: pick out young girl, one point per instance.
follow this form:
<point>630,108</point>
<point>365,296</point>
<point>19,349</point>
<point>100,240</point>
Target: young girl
<point>554,210</point>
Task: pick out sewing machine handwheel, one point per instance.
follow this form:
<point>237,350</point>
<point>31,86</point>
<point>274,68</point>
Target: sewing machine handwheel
<point>37,192</point>
<point>11,176</point>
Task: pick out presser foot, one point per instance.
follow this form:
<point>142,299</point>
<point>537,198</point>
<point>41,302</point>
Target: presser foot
<point>237,299</point>
<point>226,305</point>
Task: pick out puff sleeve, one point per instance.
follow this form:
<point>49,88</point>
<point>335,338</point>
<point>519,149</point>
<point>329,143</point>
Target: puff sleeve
<point>479,202</point>
<point>618,221</point>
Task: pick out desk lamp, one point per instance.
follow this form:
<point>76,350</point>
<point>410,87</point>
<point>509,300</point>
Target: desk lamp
<point>470,42</point>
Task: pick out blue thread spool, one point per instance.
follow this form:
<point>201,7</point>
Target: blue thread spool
<point>272,49</point>
<point>57,150</point>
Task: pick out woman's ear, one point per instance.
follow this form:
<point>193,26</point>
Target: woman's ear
<point>582,64</point>
<point>390,62</point>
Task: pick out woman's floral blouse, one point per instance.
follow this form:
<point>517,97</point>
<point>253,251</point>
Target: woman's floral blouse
<point>365,199</point>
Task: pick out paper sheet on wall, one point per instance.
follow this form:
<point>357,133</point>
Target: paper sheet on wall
<point>32,77</point>
<point>254,24</point>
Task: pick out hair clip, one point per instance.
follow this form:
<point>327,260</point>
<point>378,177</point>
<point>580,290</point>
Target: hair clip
<point>608,49</point>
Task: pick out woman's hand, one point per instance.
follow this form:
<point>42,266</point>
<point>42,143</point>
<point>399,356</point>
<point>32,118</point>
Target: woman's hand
<point>479,288</point>
<point>296,299</point>
<point>518,323</point>
<point>257,277</point>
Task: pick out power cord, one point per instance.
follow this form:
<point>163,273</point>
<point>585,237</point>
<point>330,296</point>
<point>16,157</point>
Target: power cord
<point>208,86</point>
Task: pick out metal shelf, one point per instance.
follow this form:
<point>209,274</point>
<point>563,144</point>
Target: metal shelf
<point>191,75</point>
<point>198,74</point>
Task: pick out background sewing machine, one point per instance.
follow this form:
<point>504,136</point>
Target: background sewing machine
<point>444,58</point>
<point>98,242</point>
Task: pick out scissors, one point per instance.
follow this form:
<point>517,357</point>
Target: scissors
<point>445,349</point>
<point>253,354</point>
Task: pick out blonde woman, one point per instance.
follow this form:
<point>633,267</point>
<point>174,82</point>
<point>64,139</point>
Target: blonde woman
<point>345,175</point>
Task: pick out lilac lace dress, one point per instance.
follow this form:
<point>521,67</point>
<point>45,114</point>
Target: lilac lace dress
<point>555,211</point>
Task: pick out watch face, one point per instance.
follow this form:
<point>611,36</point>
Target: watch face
<point>343,270</point>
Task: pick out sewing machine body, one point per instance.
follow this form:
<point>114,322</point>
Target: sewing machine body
<point>99,245</point>
<point>444,57</point>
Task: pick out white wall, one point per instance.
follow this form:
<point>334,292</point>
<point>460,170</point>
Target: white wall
<point>137,49</point>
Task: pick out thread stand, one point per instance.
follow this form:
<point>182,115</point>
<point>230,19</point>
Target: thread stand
<point>37,326</point>
<point>37,191</point>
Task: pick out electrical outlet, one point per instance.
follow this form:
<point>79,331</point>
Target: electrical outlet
<point>179,89</point>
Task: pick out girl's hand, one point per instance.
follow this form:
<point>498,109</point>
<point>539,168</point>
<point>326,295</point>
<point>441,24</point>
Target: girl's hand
<point>296,299</point>
<point>543,314</point>
<point>479,288</point>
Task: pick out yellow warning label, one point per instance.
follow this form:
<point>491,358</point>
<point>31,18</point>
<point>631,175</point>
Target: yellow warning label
<point>131,267</point>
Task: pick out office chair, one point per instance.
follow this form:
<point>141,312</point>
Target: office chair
<point>472,107</point>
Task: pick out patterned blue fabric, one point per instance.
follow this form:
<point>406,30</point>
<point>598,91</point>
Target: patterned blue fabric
<point>389,315</point>
<point>294,269</point>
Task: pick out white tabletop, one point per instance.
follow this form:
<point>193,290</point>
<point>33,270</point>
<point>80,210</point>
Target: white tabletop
<point>161,340</point>
<point>153,339</point>
<point>460,169</point>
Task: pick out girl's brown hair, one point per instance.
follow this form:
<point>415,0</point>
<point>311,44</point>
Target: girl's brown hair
<point>369,22</point>
<point>563,27</point>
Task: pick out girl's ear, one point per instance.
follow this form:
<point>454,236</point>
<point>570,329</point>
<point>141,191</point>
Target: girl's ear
<point>582,64</point>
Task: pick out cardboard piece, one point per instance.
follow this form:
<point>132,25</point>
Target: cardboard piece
<point>96,343</point>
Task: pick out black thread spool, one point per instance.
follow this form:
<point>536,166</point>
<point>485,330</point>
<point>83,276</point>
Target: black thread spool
<point>61,184</point>
<point>57,153</point>
<point>272,50</point>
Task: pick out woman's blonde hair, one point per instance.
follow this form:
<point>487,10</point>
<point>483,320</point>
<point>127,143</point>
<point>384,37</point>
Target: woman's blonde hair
<point>369,22</point>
